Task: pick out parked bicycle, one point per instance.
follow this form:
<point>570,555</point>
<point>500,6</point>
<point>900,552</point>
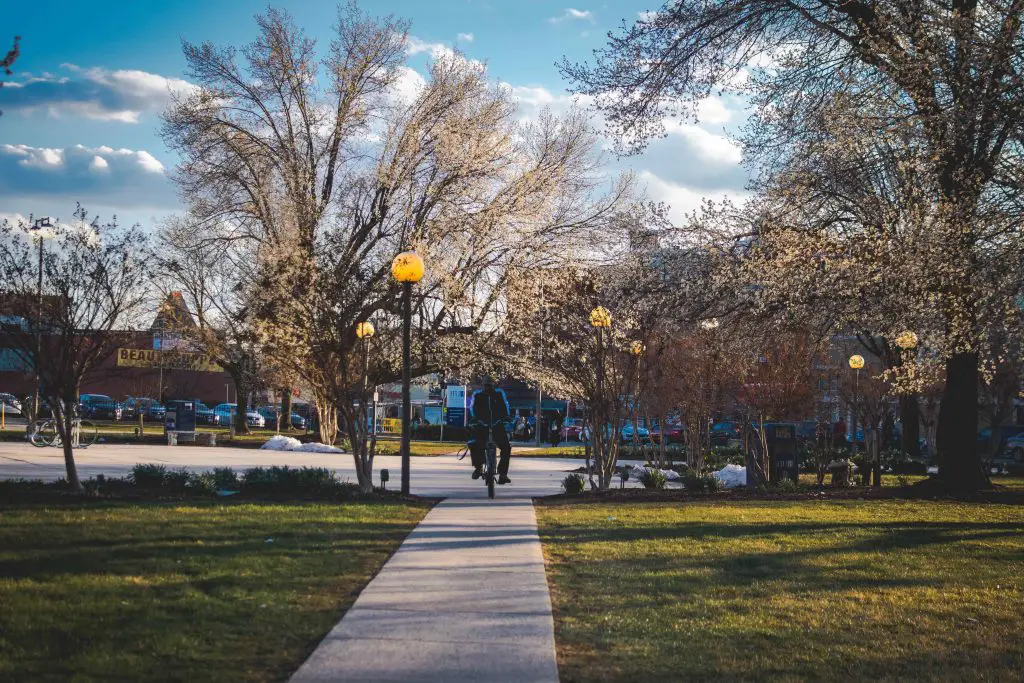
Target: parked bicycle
<point>45,433</point>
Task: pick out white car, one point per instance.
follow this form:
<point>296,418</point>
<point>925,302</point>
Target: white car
<point>11,403</point>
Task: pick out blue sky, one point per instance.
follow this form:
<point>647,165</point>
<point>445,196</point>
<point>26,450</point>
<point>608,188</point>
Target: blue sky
<point>81,113</point>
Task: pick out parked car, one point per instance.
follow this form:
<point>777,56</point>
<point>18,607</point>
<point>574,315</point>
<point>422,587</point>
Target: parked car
<point>205,415</point>
<point>149,407</point>
<point>1015,447</point>
<point>269,414</point>
<point>572,429</point>
<point>724,432</point>
<point>1003,433</point>
<point>672,432</point>
<point>11,403</point>
<point>626,433</point>
<point>252,418</point>
<point>98,407</point>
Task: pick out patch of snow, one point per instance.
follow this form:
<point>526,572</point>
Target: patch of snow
<point>732,476</point>
<point>637,471</point>
<point>933,470</point>
<point>281,443</point>
<point>287,443</point>
<point>317,448</point>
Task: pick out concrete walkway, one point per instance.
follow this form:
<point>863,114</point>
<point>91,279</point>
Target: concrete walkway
<point>464,598</point>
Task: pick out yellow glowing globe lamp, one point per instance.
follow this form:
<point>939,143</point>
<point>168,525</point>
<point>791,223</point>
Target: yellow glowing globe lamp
<point>636,348</point>
<point>856,361</point>
<point>906,340</point>
<point>365,330</point>
<point>600,317</point>
<point>407,267</point>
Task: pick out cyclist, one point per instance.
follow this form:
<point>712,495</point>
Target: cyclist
<point>487,407</point>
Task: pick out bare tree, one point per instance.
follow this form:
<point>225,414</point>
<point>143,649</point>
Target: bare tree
<point>8,61</point>
<point>951,71</point>
<point>330,183</point>
<point>94,285</point>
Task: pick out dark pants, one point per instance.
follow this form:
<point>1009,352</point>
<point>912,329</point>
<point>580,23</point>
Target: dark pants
<point>476,451</point>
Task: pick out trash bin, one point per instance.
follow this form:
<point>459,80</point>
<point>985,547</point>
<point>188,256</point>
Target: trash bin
<point>180,420</point>
<point>783,459</point>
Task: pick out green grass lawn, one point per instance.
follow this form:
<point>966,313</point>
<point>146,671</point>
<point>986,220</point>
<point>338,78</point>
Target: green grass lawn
<point>822,590</point>
<point>190,591</point>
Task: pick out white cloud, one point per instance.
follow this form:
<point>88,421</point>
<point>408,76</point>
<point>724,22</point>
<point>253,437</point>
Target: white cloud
<point>409,84</point>
<point>466,37</point>
<point>120,178</point>
<point>682,200</point>
<point>572,14</point>
<point>647,16</point>
<point>416,46</point>
<point>94,93</point>
<point>713,110</point>
<point>710,147</point>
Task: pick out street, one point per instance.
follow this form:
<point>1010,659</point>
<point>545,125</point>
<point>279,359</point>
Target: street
<point>441,476</point>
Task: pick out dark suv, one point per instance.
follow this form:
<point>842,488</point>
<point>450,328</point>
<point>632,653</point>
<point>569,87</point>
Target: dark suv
<point>98,407</point>
<point>149,407</point>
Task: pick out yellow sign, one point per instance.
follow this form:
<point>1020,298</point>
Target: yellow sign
<point>169,360</point>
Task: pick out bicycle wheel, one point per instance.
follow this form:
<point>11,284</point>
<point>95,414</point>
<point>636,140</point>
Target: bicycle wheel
<point>87,433</point>
<point>491,466</point>
<point>44,433</point>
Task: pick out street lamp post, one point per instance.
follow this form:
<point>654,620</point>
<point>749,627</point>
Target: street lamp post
<point>637,350</point>
<point>37,232</point>
<point>600,318</point>
<point>365,331</point>
<point>856,362</point>
<point>407,268</point>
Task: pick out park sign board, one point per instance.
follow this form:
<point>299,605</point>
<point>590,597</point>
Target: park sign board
<point>168,360</point>
<point>455,399</point>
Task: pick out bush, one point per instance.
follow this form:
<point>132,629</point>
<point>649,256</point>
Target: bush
<point>720,456</point>
<point>653,479</point>
<point>225,478</point>
<point>574,484</point>
<point>1015,469</point>
<point>784,486</point>
<point>148,476</point>
<point>693,482</point>
<point>710,483</point>
<point>318,482</point>
<point>179,481</point>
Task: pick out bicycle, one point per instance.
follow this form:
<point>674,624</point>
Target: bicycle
<point>45,433</point>
<point>490,453</point>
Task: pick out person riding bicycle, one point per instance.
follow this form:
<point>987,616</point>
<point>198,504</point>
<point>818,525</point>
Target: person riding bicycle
<point>488,407</point>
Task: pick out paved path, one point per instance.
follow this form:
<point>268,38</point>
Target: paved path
<point>442,476</point>
<point>464,598</point>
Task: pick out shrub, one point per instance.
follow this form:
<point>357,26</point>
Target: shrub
<point>653,479</point>
<point>693,482</point>
<point>1015,469</point>
<point>225,478</point>
<point>574,484</point>
<point>179,481</point>
<point>148,476</point>
<point>784,486</point>
<point>710,483</point>
<point>318,482</point>
<point>720,456</point>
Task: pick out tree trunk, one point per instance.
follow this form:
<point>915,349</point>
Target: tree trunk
<point>63,415</point>
<point>242,410</point>
<point>357,429</point>
<point>960,465</point>
<point>910,416</point>
<point>328,414</point>
<point>285,414</point>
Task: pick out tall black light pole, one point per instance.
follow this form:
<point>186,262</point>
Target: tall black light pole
<point>407,268</point>
<point>364,331</point>
<point>37,231</point>
<point>600,318</point>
